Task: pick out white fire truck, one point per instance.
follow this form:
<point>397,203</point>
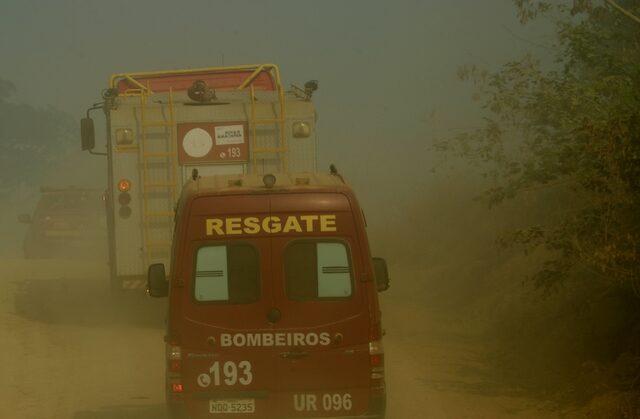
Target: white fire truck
<point>164,128</point>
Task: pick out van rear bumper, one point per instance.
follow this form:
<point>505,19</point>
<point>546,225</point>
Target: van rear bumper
<point>366,416</point>
<point>376,410</point>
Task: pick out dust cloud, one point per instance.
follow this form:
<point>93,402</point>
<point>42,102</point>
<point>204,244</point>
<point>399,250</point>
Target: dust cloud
<point>74,350</point>
<point>491,343</point>
<point>467,335</point>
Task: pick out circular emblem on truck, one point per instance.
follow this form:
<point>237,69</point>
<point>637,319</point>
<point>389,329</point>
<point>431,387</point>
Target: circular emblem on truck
<point>197,143</point>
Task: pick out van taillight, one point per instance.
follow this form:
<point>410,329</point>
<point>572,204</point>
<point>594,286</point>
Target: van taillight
<point>175,358</point>
<point>376,362</point>
<point>376,354</point>
<point>174,365</point>
<point>376,357</point>
<point>175,352</point>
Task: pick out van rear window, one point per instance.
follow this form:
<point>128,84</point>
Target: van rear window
<point>317,270</point>
<point>227,273</point>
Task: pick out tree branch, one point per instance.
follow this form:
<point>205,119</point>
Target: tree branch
<point>624,11</point>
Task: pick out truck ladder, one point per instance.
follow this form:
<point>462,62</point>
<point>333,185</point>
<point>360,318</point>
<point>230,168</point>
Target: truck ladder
<point>279,149</point>
<point>158,153</point>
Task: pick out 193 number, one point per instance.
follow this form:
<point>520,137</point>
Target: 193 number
<point>234,152</point>
<point>231,374</point>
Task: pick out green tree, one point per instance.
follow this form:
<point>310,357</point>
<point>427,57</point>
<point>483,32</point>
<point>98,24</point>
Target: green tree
<point>569,131</point>
<point>31,139</point>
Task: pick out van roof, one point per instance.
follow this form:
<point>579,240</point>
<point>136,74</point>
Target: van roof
<point>222,184</point>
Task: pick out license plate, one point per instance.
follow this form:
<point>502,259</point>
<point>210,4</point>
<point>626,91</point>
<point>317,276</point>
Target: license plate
<point>232,406</point>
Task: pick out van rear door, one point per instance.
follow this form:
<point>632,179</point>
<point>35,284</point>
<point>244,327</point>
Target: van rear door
<point>327,373</point>
<point>224,329</point>
<point>318,290</point>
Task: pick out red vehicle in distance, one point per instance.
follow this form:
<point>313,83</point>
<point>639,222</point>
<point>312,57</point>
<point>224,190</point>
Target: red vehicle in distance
<point>67,222</point>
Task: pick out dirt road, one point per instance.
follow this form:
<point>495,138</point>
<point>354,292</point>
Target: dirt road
<point>436,369</point>
<point>70,352</point>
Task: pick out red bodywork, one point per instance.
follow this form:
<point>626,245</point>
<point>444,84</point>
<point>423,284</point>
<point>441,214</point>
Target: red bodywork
<point>313,360</point>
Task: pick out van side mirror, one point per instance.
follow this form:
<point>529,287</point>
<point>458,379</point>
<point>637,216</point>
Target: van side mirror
<point>87,134</point>
<point>382,274</point>
<point>157,284</point>
<point>24,218</point>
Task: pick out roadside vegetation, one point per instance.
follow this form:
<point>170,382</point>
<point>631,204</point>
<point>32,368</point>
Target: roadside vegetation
<point>35,143</point>
<point>560,153</point>
<point>32,140</point>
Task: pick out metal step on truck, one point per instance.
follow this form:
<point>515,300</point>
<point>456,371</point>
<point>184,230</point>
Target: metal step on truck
<point>166,127</point>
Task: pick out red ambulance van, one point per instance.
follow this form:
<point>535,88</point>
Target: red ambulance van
<point>273,306</point>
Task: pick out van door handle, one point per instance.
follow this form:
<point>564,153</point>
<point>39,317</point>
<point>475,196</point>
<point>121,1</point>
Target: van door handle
<point>294,355</point>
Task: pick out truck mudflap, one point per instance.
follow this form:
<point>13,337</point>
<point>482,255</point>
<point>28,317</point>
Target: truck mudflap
<point>334,403</point>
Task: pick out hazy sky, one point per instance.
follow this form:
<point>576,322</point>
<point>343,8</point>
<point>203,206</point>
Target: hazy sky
<point>387,69</point>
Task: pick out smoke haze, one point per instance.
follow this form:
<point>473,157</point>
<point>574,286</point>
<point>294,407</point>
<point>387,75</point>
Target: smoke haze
<point>388,88</point>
